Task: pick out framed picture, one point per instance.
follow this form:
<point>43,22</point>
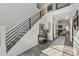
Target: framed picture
<point>49,8</point>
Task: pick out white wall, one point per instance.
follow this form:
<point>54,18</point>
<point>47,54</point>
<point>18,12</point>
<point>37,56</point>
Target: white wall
<point>13,13</point>
<point>29,40</point>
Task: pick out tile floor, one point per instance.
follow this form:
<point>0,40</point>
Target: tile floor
<point>56,48</point>
<point>36,50</point>
<point>59,47</point>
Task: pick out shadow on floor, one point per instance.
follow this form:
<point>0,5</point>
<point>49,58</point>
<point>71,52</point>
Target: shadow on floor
<point>36,50</point>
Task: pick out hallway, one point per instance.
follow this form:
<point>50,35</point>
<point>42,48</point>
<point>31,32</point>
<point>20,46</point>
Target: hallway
<point>60,47</point>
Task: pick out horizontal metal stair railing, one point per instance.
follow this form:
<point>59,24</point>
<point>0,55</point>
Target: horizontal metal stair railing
<point>14,35</point>
<point>14,32</point>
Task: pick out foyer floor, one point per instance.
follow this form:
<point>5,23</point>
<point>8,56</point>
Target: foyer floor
<point>36,50</point>
<point>60,47</point>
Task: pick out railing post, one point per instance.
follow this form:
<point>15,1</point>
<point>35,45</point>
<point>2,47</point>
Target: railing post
<point>29,23</point>
<point>2,41</point>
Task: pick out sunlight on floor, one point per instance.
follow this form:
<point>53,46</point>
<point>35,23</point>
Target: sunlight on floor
<point>58,50</point>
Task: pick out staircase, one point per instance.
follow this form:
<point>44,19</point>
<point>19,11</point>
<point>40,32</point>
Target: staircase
<point>16,33</point>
